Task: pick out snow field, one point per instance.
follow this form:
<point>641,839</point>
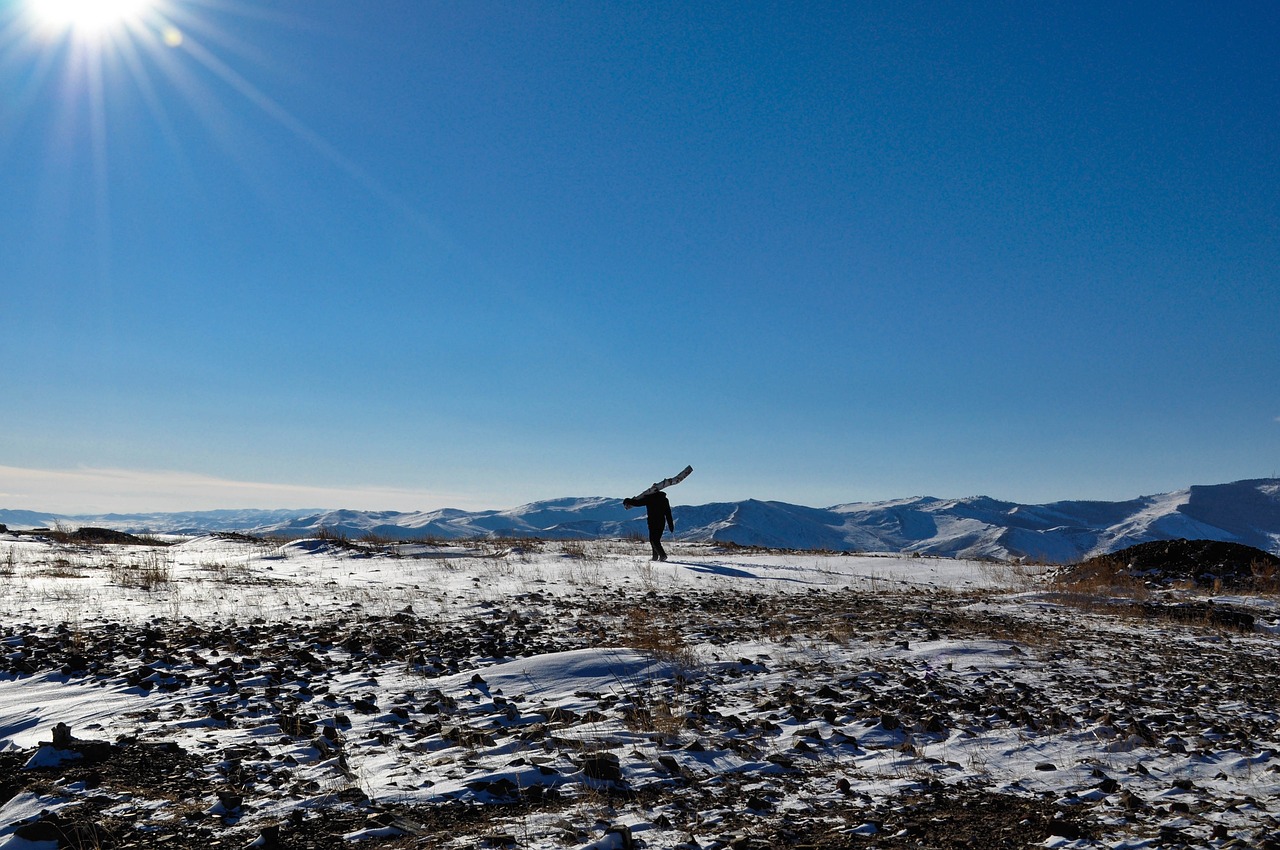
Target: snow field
<point>713,696</point>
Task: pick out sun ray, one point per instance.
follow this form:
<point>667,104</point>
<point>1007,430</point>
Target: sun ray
<point>90,46</point>
<point>313,139</point>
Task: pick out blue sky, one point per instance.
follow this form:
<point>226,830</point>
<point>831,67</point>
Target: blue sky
<point>408,255</point>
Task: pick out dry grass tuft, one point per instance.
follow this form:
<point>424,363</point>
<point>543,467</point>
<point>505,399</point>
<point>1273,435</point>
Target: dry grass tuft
<point>1102,578</point>
<point>1266,577</point>
<point>574,549</point>
<point>646,630</point>
<point>151,570</point>
<point>1015,575</point>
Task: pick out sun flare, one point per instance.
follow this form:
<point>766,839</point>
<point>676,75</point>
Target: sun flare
<point>87,17</point>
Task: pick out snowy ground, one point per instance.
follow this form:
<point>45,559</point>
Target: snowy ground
<point>320,694</point>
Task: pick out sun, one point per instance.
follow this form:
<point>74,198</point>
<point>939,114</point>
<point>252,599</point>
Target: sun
<point>88,17</point>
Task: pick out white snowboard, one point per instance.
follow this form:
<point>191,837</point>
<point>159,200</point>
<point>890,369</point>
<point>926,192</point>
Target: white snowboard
<point>667,482</point>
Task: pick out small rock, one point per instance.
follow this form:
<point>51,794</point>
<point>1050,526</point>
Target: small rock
<point>268,839</point>
<point>229,800</point>
<point>624,835</point>
<point>603,766</point>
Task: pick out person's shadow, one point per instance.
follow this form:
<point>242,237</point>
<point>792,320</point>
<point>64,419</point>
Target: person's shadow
<point>726,571</point>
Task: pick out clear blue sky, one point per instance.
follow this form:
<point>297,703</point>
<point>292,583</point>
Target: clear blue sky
<point>403,254</point>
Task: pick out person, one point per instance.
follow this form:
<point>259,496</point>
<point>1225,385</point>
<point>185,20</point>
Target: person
<point>659,511</point>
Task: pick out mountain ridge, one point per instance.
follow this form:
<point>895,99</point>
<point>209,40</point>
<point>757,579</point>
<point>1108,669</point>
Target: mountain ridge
<point>1246,511</point>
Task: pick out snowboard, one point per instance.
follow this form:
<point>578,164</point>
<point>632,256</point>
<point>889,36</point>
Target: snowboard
<point>667,482</point>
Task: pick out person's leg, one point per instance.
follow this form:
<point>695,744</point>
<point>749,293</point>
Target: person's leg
<point>655,540</point>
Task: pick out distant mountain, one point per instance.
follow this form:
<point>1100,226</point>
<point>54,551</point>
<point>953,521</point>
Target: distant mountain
<point>27,519</point>
<point>978,527</point>
<point>187,522</point>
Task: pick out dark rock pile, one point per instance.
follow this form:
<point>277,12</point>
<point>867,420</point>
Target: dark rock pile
<point>88,536</point>
<point>1211,564</point>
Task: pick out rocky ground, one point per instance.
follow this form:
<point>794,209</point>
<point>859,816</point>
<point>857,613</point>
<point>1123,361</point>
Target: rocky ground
<point>730,714</point>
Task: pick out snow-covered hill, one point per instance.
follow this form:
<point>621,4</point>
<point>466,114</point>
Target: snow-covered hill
<point>1243,512</point>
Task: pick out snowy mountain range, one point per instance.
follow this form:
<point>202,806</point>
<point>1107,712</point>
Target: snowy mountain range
<point>1060,532</point>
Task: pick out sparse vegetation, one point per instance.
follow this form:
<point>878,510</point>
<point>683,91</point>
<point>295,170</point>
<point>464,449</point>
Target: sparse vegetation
<point>1106,584</point>
<point>335,536</point>
<point>62,566</point>
<point>147,571</point>
<point>1266,576</point>
<point>574,549</point>
<point>1015,575</point>
<point>653,632</point>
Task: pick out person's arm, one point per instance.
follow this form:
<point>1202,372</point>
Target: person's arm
<point>671,523</point>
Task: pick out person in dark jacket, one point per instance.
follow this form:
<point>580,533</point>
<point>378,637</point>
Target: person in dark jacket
<point>659,510</point>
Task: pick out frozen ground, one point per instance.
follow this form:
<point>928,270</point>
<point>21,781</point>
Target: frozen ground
<point>221,692</point>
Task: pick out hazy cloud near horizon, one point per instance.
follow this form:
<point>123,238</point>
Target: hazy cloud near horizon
<point>96,491</point>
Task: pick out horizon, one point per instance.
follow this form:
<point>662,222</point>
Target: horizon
<point>499,508</point>
<point>417,256</point>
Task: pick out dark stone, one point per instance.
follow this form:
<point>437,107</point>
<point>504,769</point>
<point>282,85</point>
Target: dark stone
<point>602,766</point>
<point>1065,829</point>
<point>230,800</point>
<point>62,738</point>
<point>624,834</point>
<point>269,837</point>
